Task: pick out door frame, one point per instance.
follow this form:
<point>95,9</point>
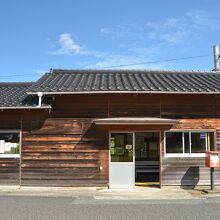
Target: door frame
<point>133,132</point>
<point>109,152</point>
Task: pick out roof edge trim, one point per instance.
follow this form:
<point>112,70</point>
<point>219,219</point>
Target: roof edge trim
<point>135,121</point>
<point>26,107</point>
<point>118,92</point>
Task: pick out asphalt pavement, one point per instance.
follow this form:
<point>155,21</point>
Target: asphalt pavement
<point>90,207</point>
<point>60,203</point>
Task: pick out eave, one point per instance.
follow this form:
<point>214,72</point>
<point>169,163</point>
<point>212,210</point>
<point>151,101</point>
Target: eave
<point>25,107</point>
<point>125,92</point>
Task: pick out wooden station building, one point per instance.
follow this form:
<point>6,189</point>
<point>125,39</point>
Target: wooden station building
<point>116,128</point>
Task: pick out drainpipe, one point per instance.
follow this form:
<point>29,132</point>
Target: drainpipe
<point>40,94</point>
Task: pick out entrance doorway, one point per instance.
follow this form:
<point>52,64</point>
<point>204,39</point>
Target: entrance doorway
<point>134,159</point>
<point>147,158</point>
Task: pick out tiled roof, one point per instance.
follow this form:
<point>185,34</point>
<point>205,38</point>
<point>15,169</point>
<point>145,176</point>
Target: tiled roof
<point>14,95</point>
<point>101,81</point>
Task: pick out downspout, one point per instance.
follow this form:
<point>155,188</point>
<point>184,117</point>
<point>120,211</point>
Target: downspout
<point>40,94</point>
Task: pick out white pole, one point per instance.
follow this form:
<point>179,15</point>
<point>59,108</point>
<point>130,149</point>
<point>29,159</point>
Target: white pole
<point>40,94</point>
<point>216,58</point>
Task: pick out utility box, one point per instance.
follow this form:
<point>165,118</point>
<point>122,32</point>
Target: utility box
<point>212,159</point>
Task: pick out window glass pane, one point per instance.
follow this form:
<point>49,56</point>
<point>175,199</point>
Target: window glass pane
<point>186,142</point>
<point>153,150</point>
<point>122,147</point>
<point>146,146</point>
<point>9,143</point>
<point>198,142</point>
<point>141,145</point>
<point>174,142</point>
<point>156,134</point>
<point>211,141</point>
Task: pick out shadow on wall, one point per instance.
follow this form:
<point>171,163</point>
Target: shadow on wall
<point>190,178</point>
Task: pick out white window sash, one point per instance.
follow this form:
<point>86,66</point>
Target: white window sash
<point>5,155</point>
<point>190,154</point>
<point>9,155</point>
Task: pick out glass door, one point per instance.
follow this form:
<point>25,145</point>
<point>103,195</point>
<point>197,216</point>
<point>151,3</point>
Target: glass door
<point>121,173</point>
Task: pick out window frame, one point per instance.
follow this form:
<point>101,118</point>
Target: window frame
<point>20,138</point>
<point>122,133</point>
<point>189,131</point>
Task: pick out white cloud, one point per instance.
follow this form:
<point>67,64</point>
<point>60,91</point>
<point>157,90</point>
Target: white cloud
<point>40,71</point>
<point>68,46</point>
<point>142,42</point>
<point>181,29</point>
<point>105,31</point>
<point>201,19</point>
<point>172,30</point>
<point>123,61</point>
<point>124,31</point>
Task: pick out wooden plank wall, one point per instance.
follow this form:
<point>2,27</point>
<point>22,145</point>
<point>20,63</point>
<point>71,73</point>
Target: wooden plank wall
<point>62,148</point>
<point>196,112</point>
<point>186,171</point>
<point>9,171</point>
<point>190,171</point>
<point>64,152</point>
<point>12,120</point>
<point>102,106</point>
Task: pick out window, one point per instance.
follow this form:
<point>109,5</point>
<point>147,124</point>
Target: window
<point>122,147</point>
<point>9,144</point>
<point>174,142</point>
<point>146,146</point>
<point>189,143</point>
<point>198,142</point>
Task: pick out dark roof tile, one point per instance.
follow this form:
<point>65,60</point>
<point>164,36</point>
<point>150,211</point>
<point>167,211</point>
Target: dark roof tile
<point>14,95</point>
<point>79,81</point>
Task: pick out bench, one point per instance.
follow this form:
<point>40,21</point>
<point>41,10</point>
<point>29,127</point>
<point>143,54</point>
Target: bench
<point>147,167</point>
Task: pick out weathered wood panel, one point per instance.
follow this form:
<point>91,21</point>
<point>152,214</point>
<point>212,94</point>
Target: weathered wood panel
<point>191,171</point>
<point>187,171</point>
<point>79,106</point>
<point>64,152</point>
<point>62,147</point>
<point>190,106</point>
<point>204,123</point>
<point>139,105</point>
<point>9,171</point>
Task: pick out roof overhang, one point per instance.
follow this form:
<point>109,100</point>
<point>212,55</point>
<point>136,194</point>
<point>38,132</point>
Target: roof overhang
<point>135,121</point>
<point>125,92</point>
<point>24,107</point>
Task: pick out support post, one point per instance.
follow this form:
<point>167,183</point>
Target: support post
<point>212,178</point>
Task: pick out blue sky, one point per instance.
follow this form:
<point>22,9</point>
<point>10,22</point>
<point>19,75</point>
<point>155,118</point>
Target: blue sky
<point>98,34</point>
